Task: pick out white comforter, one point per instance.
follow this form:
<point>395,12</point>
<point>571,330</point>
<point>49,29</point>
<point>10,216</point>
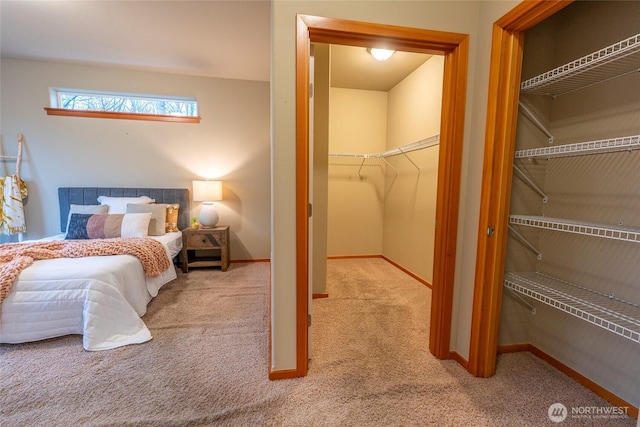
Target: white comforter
<point>101,298</point>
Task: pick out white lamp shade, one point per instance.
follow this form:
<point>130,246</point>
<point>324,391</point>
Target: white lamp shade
<point>207,191</point>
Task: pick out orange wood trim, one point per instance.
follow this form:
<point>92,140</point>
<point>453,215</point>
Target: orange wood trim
<point>302,196</point>
<point>234,261</point>
<point>455,48</point>
<point>284,374</point>
<point>415,276</point>
<point>586,382</point>
<point>513,348</point>
<point>448,196</point>
<point>395,264</point>
<point>356,33</point>
<point>461,360</point>
<point>504,79</point>
<point>506,54</point>
<point>529,13</point>
<point>353,256</point>
<point>322,295</point>
<point>121,116</point>
<point>578,377</point>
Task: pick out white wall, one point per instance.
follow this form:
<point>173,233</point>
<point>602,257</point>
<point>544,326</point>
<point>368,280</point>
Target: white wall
<point>473,18</point>
<point>358,124</point>
<point>231,143</point>
<point>410,201</point>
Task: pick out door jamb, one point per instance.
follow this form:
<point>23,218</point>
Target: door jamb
<point>502,111</point>
<point>455,48</point>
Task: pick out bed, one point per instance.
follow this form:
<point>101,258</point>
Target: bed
<point>100,297</point>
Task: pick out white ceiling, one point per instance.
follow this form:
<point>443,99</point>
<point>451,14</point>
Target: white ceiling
<point>224,39</point>
<point>354,68</point>
<point>227,39</point>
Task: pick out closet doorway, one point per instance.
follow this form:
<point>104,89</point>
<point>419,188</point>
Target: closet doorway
<point>454,48</point>
<point>374,190</point>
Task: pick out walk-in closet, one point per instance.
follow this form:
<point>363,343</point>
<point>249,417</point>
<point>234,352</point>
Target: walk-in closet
<point>382,159</point>
<point>572,271</point>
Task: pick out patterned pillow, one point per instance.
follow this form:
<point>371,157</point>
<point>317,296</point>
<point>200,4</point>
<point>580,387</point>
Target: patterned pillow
<point>172,218</point>
<point>158,213</point>
<point>86,209</point>
<point>101,226</point>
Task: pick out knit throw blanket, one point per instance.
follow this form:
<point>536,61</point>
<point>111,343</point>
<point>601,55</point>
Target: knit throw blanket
<point>15,257</point>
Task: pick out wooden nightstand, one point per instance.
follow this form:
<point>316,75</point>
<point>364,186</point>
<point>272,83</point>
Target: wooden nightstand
<point>205,240</point>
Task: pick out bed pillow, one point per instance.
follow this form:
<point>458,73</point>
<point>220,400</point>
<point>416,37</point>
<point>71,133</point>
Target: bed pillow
<point>101,226</point>
<point>157,225</point>
<point>172,218</point>
<point>86,209</point>
<point>118,205</point>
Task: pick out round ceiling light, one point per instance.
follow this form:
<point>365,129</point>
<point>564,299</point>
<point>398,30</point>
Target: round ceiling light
<point>381,54</point>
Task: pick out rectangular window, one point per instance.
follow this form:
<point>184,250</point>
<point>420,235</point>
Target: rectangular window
<point>84,103</point>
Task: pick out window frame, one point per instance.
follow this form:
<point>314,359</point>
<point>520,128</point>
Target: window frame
<point>55,110</point>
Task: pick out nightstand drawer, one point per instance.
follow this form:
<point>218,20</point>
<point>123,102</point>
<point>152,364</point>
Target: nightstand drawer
<point>205,241</point>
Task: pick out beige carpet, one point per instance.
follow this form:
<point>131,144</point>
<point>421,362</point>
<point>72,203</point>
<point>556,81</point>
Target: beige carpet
<point>207,365</point>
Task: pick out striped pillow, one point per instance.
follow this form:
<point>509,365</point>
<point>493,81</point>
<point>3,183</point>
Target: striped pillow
<point>106,226</point>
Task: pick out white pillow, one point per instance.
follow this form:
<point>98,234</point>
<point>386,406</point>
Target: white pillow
<point>135,225</point>
<point>118,205</point>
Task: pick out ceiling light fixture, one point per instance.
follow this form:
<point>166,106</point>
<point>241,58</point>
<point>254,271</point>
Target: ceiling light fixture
<point>381,54</point>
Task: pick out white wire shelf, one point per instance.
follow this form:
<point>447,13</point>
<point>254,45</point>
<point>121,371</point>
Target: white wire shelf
<point>606,311</point>
<point>577,227</point>
<point>613,61</point>
<point>625,143</point>
<point>418,145</point>
<point>404,149</point>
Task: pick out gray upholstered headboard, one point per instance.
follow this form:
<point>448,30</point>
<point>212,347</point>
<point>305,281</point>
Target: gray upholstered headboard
<point>89,196</point>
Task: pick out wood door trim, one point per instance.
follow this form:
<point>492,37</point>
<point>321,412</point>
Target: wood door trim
<point>455,48</point>
<point>502,110</point>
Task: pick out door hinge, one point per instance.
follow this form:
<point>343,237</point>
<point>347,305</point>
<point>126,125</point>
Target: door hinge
<point>309,319</point>
<point>310,90</point>
<point>310,210</point>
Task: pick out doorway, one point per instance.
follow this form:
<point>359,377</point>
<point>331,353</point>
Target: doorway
<point>454,48</point>
<point>506,63</point>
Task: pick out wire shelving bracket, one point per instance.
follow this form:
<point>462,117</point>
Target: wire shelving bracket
<point>525,242</point>
<point>531,116</point>
<point>532,184</point>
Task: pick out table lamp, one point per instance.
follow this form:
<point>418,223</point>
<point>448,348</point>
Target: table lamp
<point>207,192</point>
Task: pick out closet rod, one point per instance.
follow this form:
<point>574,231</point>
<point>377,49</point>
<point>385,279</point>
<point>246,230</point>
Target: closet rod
<point>531,116</point>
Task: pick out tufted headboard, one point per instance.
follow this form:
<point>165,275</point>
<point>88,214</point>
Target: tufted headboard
<point>89,196</point>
